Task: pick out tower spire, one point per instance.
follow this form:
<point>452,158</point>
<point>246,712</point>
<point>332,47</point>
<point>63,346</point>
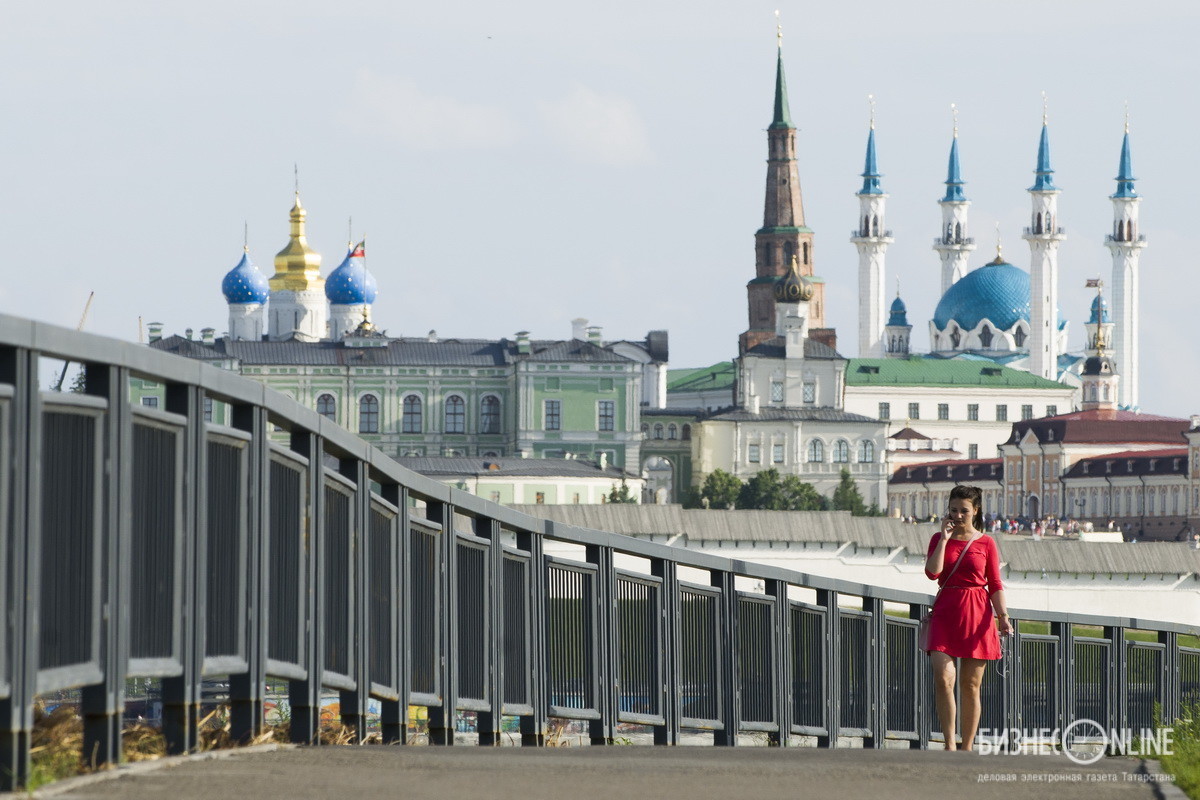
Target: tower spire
<point>1126,243</point>
<point>870,173</point>
<point>954,245</point>
<point>871,239</point>
<point>1047,334</point>
<point>1045,174</point>
<point>783,115</point>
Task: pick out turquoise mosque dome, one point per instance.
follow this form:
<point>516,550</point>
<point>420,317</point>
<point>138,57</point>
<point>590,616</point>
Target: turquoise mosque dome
<point>898,313</point>
<point>244,284</point>
<point>1099,310</point>
<point>997,291</point>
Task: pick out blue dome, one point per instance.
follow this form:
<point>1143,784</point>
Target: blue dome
<point>245,284</point>
<point>350,284</point>
<point>899,313</point>
<point>1099,310</point>
<point>997,291</point>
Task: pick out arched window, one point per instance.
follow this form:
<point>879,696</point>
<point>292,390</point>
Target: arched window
<point>658,431</point>
<point>368,414</point>
<point>686,433</point>
<point>866,451</point>
<point>1037,223</point>
<point>985,336</point>
<point>955,338</point>
<point>805,246</point>
<point>646,429</point>
<point>411,421</point>
<point>327,407</point>
<point>1019,337</point>
<point>456,414</point>
<point>1104,390</point>
<point>841,451</point>
<point>875,225</point>
<point>958,231</point>
<point>816,451</point>
<point>489,414</point>
<point>789,252</point>
<point>672,431</point>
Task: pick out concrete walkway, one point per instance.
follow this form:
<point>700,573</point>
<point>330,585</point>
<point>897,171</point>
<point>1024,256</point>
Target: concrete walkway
<point>416,773</point>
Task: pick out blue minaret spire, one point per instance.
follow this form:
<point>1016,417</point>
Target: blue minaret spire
<point>1045,175</point>
<point>1125,177</point>
<point>954,181</point>
<point>870,173</point>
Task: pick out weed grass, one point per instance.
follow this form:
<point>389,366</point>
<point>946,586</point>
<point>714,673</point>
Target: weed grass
<point>1184,761</point>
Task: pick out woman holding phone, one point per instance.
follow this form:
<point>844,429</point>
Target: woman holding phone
<point>969,612</point>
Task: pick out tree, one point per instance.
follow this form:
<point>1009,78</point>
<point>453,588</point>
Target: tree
<point>720,489</point>
<point>767,490</point>
<point>846,496</point>
<point>621,494</point>
<point>801,496</point>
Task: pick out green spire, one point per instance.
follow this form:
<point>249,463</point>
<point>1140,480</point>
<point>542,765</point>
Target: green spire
<point>783,117</point>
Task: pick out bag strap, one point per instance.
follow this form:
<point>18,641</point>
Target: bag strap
<point>950,574</point>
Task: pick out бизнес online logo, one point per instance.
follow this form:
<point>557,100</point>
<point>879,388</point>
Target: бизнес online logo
<point>1083,741</point>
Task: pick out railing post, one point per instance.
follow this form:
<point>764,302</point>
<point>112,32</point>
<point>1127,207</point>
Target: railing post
<point>489,722</point>
<point>247,689</point>
<point>877,673</point>
<point>393,717</point>
<point>605,646</point>
<point>535,726</point>
<point>19,368</point>
<point>921,676</point>
<point>305,695</point>
<point>354,703</point>
<point>1171,679</point>
<point>102,704</point>
<point>181,694</point>
<point>1064,673</point>
<point>783,662</point>
<point>672,692</point>
<point>1118,671</point>
<point>442,718</point>
<point>828,600</point>
<point>730,695</point>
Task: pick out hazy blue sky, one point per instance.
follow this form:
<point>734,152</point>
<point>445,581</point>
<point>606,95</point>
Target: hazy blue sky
<point>514,165</point>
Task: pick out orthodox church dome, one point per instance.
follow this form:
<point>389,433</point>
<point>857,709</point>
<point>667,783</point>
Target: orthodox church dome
<point>899,313</point>
<point>245,284</point>
<point>793,287</point>
<point>997,291</point>
<point>350,284</point>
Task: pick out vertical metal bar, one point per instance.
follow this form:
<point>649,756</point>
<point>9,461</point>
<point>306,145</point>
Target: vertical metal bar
<point>102,704</point>
<point>354,703</point>
<point>20,369</point>
<point>828,600</point>
<point>247,689</point>
<point>672,691</point>
<point>1064,676</point>
<point>442,719</point>
<point>181,694</point>
<point>305,695</point>
<point>394,713</point>
<point>1171,678</point>
<point>782,662</point>
<point>921,678</point>
<point>604,646</point>
<point>489,722</point>
<point>535,727</point>
<point>730,699</point>
<point>877,666</point>
<point>1118,672</point>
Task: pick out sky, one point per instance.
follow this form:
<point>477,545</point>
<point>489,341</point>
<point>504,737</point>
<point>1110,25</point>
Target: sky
<point>516,165</point>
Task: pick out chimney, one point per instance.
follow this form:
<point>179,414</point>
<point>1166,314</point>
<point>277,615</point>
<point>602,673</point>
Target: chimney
<point>432,337</point>
<point>603,461</point>
<point>188,333</point>
<point>206,335</point>
<point>593,334</point>
<point>523,343</point>
<point>578,326</point>
<point>155,329</point>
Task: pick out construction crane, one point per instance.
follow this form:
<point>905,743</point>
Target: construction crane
<point>82,319</point>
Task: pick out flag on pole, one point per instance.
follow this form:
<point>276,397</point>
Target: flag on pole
<point>359,250</point>
<point>1094,283</point>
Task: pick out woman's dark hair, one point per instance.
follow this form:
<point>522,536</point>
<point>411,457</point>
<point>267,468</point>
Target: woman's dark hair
<point>975,495</point>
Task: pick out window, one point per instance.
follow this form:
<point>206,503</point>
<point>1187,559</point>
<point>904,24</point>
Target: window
<point>411,420</point>
<point>1051,411</point>
<point>816,451</point>
<point>866,451</point>
<point>327,407</point>
<point>1026,412</point>
<point>672,431</point>
<point>973,412</point>
<point>686,433</point>
<point>658,431</point>
<point>150,402</point>
<point>810,392</point>
<point>1001,413</point>
<point>972,451</point>
<point>489,414</point>
<point>752,454</point>
<point>607,410</point>
<point>368,414</point>
<point>776,391</point>
<point>208,409</point>
<point>1019,337</point>
<point>456,414</point>
<point>914,410</point>
<point>841,451</point>
<point>885,411</point>
<point>943,411</point>
<point>985,337</point>
<point>554,415</point>
<point>777,453</point>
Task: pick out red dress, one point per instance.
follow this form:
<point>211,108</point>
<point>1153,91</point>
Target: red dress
<point>963,624</point>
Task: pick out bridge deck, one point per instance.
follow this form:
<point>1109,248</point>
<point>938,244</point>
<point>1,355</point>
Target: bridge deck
<point>681,772</point>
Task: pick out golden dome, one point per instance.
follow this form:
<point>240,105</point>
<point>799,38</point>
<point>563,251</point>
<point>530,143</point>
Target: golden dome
<point>793,287</point>
<point>297,266</point>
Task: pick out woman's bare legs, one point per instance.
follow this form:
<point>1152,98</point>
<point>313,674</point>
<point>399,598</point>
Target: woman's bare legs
<point>971,679</point>
<point>943,693</point>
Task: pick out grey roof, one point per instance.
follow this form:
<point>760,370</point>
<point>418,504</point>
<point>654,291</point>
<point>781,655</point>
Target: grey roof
<point>442,466</point>
<point>819,414</point>
<point>776,348</point>
<point>1019,553</point>
<point>396,352</point>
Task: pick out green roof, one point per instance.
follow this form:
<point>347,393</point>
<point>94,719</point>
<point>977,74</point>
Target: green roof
<point>783,116</point>
<point>718,376</point>
<point>919,371</point>
<point>785,229</point>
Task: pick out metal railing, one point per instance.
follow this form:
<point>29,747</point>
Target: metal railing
<point>149,543</point>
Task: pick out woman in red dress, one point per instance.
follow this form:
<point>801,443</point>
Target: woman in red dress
<point>962,625</point>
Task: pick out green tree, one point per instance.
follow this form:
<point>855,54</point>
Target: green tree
<point>846,496</point>
<point>720,489</point>
<point>768,490</point>
<point>801,496</point>
<point>621,494</point>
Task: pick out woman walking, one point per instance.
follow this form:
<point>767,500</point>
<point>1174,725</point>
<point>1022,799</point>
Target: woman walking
<point>968,613</point>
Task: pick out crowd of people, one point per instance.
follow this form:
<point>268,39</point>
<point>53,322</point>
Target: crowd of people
<point>1054,526</point>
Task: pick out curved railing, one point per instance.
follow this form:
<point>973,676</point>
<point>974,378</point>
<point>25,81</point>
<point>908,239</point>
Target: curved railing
<point>149,543</point>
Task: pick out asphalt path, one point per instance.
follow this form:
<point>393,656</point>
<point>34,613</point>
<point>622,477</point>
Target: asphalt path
<point>622,772</point>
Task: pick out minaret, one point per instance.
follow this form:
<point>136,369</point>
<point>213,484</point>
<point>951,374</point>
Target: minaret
<point>783,234</point>
<point>246,292</point>
<point>298,307</point>
<point>954,245</point>
<point>1043,236</point>
<point>1126,243</point>
<point>872,239</point>
<point>1099,326</point>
